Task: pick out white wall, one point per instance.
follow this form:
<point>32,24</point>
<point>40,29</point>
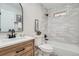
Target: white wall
<point>32,12</point>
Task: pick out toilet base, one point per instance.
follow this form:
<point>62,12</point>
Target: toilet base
<point>45,50</point>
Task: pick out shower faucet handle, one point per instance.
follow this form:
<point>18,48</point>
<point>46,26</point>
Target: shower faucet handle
<point>45,36</point>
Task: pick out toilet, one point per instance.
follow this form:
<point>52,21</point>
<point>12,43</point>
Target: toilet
<point>44,48</point>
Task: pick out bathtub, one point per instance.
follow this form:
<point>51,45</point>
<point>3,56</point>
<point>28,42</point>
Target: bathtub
<point>64,49</point>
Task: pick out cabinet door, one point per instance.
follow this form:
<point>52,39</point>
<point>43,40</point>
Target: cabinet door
<point>24,49</point>
<point>12,53</point>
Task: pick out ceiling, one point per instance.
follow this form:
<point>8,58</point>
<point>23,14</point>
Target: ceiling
<point>58,6</point>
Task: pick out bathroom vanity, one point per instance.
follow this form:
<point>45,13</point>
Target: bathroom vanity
<point>11,17</point>
<point>17,47</point>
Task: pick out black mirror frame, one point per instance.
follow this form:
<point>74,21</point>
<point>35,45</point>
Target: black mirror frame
<point>22,16</point>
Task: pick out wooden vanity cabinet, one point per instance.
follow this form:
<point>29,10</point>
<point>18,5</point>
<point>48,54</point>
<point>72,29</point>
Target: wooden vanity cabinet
<point>20,49</point>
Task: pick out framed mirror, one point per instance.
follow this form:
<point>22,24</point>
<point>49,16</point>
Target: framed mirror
<point>11,17</point>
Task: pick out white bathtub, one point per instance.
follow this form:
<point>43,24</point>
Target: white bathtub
<point>64,49</point>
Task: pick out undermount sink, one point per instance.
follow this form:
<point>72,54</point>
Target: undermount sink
<point>17,38</point>
<point>12,39</point>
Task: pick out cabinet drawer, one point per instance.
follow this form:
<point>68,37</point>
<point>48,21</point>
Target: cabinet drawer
<point>29,53</point>
<point>23,50</point>
<point>19,52</point>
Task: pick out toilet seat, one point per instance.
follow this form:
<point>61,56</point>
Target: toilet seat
<point>46,48</point>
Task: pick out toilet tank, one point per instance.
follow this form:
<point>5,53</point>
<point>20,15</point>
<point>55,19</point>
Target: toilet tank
<point>39,39</point>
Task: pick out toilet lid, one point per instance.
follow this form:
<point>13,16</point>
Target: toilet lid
<point>46,48</point>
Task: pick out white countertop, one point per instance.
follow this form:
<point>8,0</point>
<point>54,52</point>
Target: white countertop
<point>7,42</point>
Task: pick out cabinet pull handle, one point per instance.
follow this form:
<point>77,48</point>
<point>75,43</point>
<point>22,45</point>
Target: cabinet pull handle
<point>20,50</point>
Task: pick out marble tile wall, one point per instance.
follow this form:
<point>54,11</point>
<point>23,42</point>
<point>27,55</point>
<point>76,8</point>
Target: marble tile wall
<point>64,28</point>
